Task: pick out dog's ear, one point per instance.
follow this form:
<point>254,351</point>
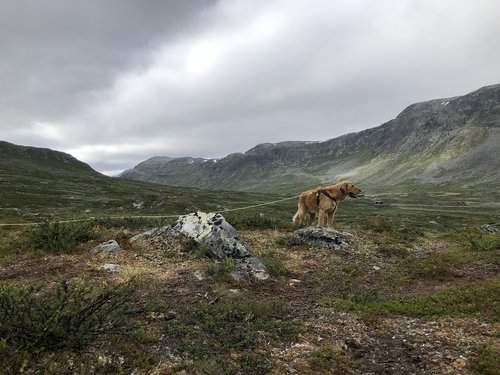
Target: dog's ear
<point>343,188</point>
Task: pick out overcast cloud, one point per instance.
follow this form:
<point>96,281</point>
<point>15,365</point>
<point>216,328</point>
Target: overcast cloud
<point>116,82</point>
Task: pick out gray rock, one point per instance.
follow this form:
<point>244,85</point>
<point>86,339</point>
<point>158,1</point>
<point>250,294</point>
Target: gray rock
<point>149,233</point>
<point>335,239</point>
<point>489,228</point>
<point>212,231</point>
<point>112,267</point>
<point>110,246</point>
<point>221,240</point>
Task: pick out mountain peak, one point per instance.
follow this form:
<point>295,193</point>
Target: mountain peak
<point>454,139</point>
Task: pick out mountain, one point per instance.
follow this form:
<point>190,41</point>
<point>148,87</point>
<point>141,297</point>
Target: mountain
<point>39,183</point>
<point>453,140</point>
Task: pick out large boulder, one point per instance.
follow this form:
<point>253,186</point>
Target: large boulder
<point>212,231</point>
<point>219,238</point>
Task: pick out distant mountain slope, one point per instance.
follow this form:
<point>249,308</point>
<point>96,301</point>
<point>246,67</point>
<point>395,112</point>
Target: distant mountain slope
<point>454,140</point>
<point>36,182</point>
<point>41,160</point>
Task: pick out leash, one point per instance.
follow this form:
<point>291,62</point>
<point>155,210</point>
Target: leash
<point>151,216</point>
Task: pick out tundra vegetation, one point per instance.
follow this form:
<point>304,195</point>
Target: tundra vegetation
<point>417,291</point>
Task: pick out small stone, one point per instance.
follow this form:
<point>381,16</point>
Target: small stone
<point>112,267</point>
<point>110,246</point>
<point>199,275</point>
<point>458,363</point>
<point>489,228</point>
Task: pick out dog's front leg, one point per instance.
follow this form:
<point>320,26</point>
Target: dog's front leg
<point>330,219</point>
<point>321,218</point>
<point>331,216</point>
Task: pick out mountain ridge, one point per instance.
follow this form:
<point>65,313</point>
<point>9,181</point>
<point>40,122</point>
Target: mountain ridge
<point>433,142</point>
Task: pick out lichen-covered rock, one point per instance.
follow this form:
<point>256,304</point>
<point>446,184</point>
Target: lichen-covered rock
<point>214,232</point>
<point>335,239</point>
<point>110,246</point>
<point>219,238</point>
<point>489,228</point>
<point>112,267</point>
<point>150,233</point>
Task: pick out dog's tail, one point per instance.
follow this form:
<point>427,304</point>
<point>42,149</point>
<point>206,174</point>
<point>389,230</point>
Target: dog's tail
<point>301,211</point>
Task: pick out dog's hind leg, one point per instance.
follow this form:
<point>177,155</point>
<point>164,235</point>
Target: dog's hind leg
<point>299,217</point>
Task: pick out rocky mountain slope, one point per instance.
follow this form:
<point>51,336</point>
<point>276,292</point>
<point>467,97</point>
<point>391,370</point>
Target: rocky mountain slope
<point>454,140</point>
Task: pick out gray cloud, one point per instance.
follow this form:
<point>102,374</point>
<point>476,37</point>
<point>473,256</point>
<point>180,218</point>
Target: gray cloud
<point>117,82</point>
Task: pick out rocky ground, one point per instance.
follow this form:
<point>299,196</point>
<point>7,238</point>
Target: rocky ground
<point>391,301</point>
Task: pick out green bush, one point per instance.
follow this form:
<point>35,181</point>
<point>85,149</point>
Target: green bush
<point>274,264</point>
<point>486,242</point>
<point>380,224</point>
<point>486,361</point>
<point>71,316</point>
<point>327,358</point>
<point>132,223</point>
<point>59,237</point>
<point>220,271</point>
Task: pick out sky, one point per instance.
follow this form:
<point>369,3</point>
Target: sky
<point>119,81</point>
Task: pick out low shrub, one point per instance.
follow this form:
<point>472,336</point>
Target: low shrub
<point>485,361</point>
<point>59,237</point>
<point>380,224</point>
<point>274,264</point>
<point>289,240</point>
<point>481,299</point>
<point>220,271</point>
<point>70,316</point>
<point>230,338</point>
<point>336,361</point>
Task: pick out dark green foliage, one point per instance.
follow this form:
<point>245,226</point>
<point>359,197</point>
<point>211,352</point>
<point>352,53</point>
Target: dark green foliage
<point>289,240</point>
<point>208,333</point>
<point>274,264</point>
<point>336,361</point>
<point>132,223</point>
<point>58,237</point>
<point>484,242</point>
<point>257,221</point>
<point>71,316</point>
<point>480,299</point>
<point>485,361</point>
<point>220,271</point>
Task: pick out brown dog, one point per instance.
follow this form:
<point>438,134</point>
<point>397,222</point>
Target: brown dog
<point>323,200</point>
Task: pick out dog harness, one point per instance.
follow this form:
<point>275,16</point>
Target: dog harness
<point>321,191</point>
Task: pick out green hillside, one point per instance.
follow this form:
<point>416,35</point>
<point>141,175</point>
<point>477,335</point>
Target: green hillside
<point>38,183</point>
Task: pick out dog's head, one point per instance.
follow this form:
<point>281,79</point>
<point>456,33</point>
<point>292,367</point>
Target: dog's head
<point>349,189</point>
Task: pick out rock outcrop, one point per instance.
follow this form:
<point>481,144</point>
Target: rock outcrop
<point>330,238</point>
<point>213,234</point>
<point>110,246</point>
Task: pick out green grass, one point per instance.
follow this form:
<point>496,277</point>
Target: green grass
<point>230,337</point>
<point>274,264</point>
<point>330,360</point>
<point>485,361</point>
<point>481,299</point>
